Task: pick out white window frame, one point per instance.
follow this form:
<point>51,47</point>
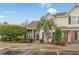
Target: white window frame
<point>29,35</point>
<point>77,35</point>
<point>75,19</point>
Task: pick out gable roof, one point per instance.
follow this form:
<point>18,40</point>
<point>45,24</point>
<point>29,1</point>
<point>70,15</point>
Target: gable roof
<point>77,5</point>
<point>60,14</point>
<point>32,25</point>
<point>66,13</point>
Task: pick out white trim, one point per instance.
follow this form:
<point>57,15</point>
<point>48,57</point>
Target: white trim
<point>71,29</point>
<point>76,18</point>
<point>32,34</point>
<point>71,9</point>
<point>69,36</point>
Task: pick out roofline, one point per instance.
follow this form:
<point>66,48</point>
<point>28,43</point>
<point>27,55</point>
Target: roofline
<point>66,13</point>
<point>71,9</point>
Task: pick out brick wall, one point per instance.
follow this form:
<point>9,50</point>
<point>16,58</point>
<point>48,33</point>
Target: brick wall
<point>73,37</point>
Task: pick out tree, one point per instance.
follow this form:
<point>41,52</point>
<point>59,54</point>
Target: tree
<point>57,35</point>
<point>46,24</point>
<point>12,30</point>
<point>25,24</point>
<point>5,23</point>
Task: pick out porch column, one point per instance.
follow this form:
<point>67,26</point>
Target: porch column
<point>35,34</point>
<point>32,34</point>
<point>69,36</point>
<point>36,37</point>
<point>40,34</point>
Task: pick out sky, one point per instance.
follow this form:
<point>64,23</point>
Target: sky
<point>17,13</point>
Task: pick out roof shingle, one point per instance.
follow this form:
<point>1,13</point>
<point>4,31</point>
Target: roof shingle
<point>32,25</point>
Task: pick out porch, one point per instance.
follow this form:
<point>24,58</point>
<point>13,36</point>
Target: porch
<point>32,34</point>
<point>71,36</point>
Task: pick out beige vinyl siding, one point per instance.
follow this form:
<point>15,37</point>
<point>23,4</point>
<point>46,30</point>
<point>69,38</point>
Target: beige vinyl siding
<point>61,21</point>
<point>64,21</point>
<point>74,12</point>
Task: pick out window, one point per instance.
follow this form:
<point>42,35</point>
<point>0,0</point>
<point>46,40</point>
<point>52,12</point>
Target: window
<point>77,19</point>
<point>77,35</point>
<point>29,35</point>
<point>74,19</point>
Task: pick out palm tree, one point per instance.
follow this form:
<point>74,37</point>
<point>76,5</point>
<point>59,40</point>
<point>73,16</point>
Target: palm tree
<point>47,25</point>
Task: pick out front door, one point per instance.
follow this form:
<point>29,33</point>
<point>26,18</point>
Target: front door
<point>37,37</point>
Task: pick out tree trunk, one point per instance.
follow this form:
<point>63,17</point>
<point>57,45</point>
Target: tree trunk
<point>45,38</point>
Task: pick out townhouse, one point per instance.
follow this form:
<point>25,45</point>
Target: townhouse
<point>68,21</point>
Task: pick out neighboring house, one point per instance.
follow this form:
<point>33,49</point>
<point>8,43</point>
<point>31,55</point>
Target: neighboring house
<point>68,21</point>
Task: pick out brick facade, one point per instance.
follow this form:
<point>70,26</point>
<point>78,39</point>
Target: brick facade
<point>73,37</point>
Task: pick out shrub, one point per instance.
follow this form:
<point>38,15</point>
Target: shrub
<point>29,40</point>
<point>57,35</point>
<point>6,38</point>
<point>11,32</point>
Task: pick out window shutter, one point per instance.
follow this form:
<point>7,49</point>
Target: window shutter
<point>69,20</point>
